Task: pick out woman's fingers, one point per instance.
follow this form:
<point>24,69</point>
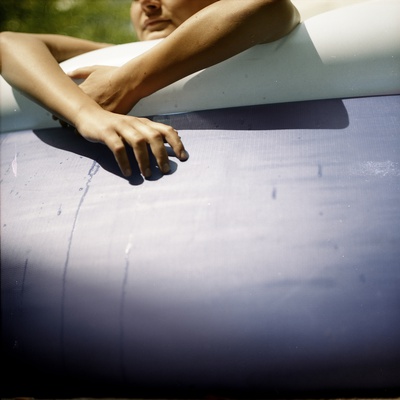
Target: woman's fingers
<point>142,157</point>
<point>117,146</point>
<point>144,132</point>
<point>139,138</point>
<point>172,138</point>
<point>160,152</point>
<point>82,73</point>
<point>116,131</point>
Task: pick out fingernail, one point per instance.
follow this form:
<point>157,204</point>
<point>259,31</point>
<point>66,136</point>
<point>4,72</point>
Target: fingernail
<point>166,168</point>
<point>184,155</point>
<point>127,172</point>
<point>147,173</point>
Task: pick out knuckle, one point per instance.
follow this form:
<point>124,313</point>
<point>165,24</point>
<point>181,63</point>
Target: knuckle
<point>169,130</point>
<point>119,148</point>
<point>139,140</point>
<point>156,135</point>
<point>116,145</point>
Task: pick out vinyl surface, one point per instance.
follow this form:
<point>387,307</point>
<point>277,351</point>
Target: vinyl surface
<point>268,264</point>
<point>349,52</point>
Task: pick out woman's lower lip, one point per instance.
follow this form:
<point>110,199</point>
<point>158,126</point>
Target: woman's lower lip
<point>155,24</point>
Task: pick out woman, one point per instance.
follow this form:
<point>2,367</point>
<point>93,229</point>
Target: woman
<point>198,34</point>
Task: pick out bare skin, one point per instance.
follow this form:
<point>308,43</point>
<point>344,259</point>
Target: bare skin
<point>158,19</point>
<point>96,106</point>
<point>239,26</point>
<point>34,70</point>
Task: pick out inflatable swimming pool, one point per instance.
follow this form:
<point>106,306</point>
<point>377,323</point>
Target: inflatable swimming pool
<point>266,266</point>
<point>349,52</point>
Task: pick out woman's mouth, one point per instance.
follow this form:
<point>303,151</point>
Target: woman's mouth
<point>155,24</point>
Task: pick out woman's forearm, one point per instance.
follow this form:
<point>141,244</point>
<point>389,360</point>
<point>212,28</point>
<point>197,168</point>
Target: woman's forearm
<point>29,64</point>
<point>214,34</point>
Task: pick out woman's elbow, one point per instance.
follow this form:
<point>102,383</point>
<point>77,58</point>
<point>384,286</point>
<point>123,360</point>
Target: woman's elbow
<point>293,16</point>
<point>283,17</point>
<point>289,14</point>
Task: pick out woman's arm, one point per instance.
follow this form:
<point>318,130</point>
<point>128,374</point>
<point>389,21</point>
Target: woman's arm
<point>216,33</point>
<point>30,64</point>
<point>61,47</point>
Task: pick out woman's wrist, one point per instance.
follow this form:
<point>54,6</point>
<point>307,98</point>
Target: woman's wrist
<point>142,76</point>
<point>130,78</point>
<point>85,115</point>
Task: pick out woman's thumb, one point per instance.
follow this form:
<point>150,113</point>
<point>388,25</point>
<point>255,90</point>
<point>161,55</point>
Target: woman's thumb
<point>81,73</point>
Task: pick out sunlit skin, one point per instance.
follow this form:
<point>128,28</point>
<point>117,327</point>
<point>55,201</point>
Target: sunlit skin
<point>198,34</point>
<point>156,19</point>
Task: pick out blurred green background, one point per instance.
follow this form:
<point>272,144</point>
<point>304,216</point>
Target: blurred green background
<point>100,20</point>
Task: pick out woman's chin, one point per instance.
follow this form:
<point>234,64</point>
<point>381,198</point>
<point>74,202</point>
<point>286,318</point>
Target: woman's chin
<point>153,35</point>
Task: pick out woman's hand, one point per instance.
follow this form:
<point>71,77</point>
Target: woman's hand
<point>116,130</point>
<point>106,86</point>
<point>34,70</point>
